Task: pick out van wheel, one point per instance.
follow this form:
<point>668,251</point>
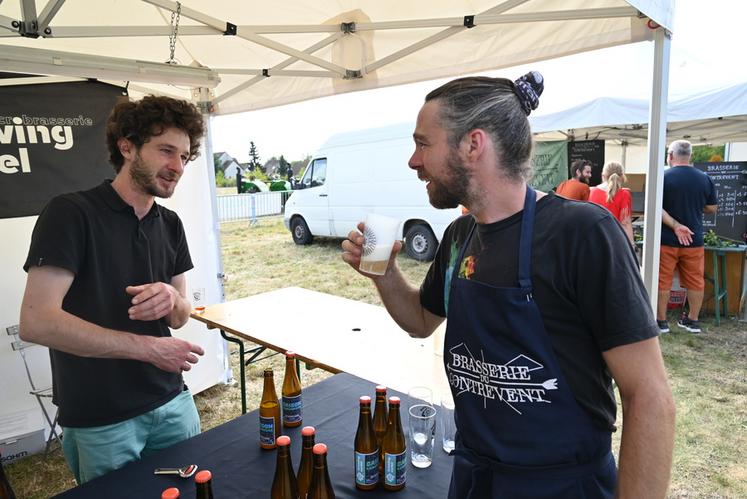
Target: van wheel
<point>300,231</point>
<point>420,243</point>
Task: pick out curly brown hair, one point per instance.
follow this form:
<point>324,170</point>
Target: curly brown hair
<point>140,120</point>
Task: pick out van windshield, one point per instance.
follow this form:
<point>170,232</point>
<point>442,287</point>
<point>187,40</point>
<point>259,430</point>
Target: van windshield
<point>316,173</point>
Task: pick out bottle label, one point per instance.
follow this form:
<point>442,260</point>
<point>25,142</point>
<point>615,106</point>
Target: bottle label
<point>367,468</point>
<point>266,431</point>
<point>395,466</point>
<point>292,407</point>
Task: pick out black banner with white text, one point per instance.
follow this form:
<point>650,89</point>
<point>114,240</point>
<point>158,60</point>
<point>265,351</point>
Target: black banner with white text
<point>52,141</point>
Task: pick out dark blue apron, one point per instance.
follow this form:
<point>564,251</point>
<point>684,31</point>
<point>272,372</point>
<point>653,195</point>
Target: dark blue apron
<point>521,433</point>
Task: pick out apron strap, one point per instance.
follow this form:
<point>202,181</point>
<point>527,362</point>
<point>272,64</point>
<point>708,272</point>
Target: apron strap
<point>525,241</point>
<point>565,470</point>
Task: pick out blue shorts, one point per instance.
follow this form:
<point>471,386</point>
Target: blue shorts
<point>94,451</point>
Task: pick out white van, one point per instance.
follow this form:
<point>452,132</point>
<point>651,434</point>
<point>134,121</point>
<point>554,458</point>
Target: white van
<point>356,173</point>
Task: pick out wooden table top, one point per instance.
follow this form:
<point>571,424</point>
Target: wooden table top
<point>336,334</point>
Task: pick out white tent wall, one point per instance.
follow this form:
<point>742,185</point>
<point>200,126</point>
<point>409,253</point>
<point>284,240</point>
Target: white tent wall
<point>15,399</point>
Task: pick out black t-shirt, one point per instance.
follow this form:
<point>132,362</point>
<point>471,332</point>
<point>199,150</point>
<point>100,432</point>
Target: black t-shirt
<point>586,284</point>
<point>97,236</point>
<point>687,191</point>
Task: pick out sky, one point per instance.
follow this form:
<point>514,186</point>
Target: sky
<point>707,52</point>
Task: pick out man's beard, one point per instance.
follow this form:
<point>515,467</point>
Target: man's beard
<point>145,179</point>
<point>454,190</point>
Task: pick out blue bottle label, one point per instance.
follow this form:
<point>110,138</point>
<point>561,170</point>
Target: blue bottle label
<point>292,407</point>
<point>395,466</point>
<point>266,431</point>
<point>367,468</point>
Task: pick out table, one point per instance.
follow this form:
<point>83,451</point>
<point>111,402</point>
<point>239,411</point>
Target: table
<point>719,277</point>
<point>241,468</point>
<point>333,333</point>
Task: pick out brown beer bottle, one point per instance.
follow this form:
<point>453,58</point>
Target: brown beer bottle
<point>269,413</point>
<point>204,484</point>
<point>379,424</point>
<point>284,484</point>
<point>366,449</point>
<point>6,491</point>
<point>170,493</point>
<point>306,466</point>
<point>321,485</point>
<point>292,403</point>
<point>395,455</point>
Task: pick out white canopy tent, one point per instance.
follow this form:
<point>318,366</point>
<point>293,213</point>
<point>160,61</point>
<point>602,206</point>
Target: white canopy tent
<point>232,56</point>
<point>715,116</point>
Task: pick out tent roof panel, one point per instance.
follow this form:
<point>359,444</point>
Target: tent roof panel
<point>506,33</point>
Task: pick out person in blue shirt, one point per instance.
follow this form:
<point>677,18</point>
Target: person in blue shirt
<point>688,193</point>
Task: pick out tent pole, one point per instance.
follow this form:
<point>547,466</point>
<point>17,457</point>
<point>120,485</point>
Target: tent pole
<point>655,178</point>
<point>203,101</point>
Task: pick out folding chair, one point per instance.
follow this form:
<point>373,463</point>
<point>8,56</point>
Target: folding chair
<point>40,393</point>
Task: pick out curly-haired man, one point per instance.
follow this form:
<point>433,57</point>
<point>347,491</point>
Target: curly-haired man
<point>106,280</point>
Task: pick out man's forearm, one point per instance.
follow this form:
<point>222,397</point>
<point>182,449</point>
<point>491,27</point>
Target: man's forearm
<point>646,447</point>
<point>55,328</point>
<point>402,301</point>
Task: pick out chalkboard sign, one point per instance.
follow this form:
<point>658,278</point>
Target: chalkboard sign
<point>592,151</point>
<point>730,179</point>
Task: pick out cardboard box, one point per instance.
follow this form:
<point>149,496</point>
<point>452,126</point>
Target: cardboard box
<point>21,435</point>
<point>636,181</point>
<point>22,446</point>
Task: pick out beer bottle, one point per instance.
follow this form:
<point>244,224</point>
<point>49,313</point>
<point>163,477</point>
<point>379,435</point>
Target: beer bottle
<point>269,413</point>
<point>284,484</point>
<point>170,493</point>
<point>292,404</point>
<point>204,484</point>
<point>366,449</point>
<point>6,491</point>
<point>321,485</point>
<point>306,466</point>
<point>379,424</point>
<point>395,458</point>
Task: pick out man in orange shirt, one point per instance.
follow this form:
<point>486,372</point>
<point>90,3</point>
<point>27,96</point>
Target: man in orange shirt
<point>577,187</point>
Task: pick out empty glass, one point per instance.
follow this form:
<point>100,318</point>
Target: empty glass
<point>422,431</point>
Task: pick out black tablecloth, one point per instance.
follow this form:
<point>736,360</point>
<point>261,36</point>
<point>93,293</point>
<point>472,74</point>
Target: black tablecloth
<point>241,468</point>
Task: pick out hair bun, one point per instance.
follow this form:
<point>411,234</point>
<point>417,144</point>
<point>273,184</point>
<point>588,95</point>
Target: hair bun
<point>529,88</point>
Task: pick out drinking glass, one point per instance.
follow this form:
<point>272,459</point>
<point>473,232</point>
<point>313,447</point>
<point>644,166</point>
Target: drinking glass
<point>422,426</point>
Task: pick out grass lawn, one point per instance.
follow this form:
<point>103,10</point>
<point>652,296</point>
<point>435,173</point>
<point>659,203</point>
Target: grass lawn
<point>708,372</point>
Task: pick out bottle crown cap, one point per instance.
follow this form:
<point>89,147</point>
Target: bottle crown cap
<point>394,400</point>
<point>283,440</point>
<point>380,389</point>
<point>203,476</point>
<point>320,449</point>
<point>308,430</point>
<point>290,354</point>
<point>170,493</point>
<point>268,372</point>
<point>365,399</point>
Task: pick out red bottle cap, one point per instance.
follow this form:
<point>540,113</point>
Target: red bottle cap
<point>307,431</point>
<point>290,355</point>
<point>203,476</point>
<point>283,440</point>
<point>394,400</point>
<point>171,493</point>
<point>365,399</point>
<point>380,389</point>
<point>320,449</point>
